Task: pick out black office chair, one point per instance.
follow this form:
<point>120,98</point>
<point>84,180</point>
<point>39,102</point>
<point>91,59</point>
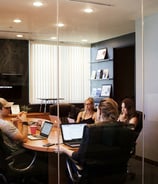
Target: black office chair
<point>14,167</point>
<point>137,131</point>
<point>65,110</point>
<point>104,154</point>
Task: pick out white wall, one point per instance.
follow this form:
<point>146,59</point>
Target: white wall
<point>147,79</point>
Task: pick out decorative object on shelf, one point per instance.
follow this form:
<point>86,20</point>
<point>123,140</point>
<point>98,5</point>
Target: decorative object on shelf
<point>101,54</point>
<point>25,108</point>
<point>15,109</point>
<point>99,74</point>
<point>96,92</point>
<point>93,75</point>
<point>106,90</point>
<point>105,74</point>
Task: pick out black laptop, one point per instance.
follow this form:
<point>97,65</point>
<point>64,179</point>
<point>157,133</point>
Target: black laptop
<point>72,133</point>
<point>44,133</point>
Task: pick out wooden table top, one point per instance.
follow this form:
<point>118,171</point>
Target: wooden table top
<point>37,145</point>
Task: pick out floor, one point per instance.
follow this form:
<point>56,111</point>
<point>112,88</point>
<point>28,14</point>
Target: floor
<point>150,173</point>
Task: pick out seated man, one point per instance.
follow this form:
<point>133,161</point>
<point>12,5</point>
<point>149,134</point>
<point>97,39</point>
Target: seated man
<point>12,135</point>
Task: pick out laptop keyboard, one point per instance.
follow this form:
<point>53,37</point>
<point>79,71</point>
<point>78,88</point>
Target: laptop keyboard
<point>73,144</point>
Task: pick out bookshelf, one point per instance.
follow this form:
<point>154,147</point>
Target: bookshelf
<point>120,62</point>
<point>101,74</point>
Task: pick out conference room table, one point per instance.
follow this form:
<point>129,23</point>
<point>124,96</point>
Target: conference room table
<point>54,159</point>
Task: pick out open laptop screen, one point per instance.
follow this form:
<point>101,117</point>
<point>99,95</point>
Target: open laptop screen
<point>73,131</point>
<point>46,128</point>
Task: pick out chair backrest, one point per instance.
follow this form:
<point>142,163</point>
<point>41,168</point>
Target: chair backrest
<point>64,110</point>
<point>139,125</point>
<point>10,161</point>
<point>106,148</point>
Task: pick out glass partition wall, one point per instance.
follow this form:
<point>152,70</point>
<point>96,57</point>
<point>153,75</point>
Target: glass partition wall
<point>95,45</point>
<point>82,28</point>
<point>89,24</point>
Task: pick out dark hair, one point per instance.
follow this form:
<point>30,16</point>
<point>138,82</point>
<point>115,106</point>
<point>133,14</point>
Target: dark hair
<point>109,109</point>
<point>130,106</point>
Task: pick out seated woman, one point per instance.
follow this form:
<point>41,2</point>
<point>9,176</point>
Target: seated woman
<point>89,114</point>
<point>107,113</point>
<point>128,113</point>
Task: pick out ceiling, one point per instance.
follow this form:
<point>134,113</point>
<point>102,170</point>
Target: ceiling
<point>110,18</point>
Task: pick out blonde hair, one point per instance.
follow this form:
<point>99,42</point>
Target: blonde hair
<point>109,109</point>
<point>90,99</point>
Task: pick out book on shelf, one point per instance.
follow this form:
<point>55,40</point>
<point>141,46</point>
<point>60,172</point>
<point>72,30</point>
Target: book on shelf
<point>93,74</point>
<point>99,74</point>
<point>105,74</point>
<point>101,54</point>
<point>96,92</point>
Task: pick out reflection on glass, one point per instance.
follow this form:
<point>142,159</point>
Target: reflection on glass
<point>102,21</point>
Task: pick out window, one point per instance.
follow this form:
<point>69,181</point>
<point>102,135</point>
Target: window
<point>73,76</point>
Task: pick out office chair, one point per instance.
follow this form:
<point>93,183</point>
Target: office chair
<point>137,131</point>
<point>104,154</point>
<point>14,167</point>
<point>65,110</point>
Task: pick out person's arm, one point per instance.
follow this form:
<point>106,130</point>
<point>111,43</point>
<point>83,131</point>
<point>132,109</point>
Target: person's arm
<point>63,149</point>
<point>94,116</point>
<point>23,128</point>
<point>122,118</point>
<point>79,117</point>
<point>133,120</point>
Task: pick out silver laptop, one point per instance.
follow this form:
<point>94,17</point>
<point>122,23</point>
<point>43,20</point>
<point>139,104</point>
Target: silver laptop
<point>72,133</point>
<point>44,133</point>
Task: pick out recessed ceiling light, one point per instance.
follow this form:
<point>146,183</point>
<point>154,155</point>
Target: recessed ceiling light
<point>17,20</point>
<point>19,35</point>
<point>88,10</point>
<point>53,38</point>
<point>37,3</point>
<point>84,40</point>
<point>60,25</point>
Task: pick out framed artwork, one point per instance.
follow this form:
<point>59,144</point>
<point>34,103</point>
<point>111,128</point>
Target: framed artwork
<point>101,54</point>
<point>106,90</point>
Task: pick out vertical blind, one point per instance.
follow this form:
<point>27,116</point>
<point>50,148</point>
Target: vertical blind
<point>74,72</point>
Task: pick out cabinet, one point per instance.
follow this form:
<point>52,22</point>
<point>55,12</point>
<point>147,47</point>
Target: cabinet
<point>101,74</point>
<point>14,70</point>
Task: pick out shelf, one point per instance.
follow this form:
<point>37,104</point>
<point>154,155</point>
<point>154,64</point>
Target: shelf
<point>101,79</point>
<point>101,61</point>
<point>11,74</point>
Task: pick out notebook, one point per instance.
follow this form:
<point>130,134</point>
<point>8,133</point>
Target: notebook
<point>44,133</point>
<point>72,133</point>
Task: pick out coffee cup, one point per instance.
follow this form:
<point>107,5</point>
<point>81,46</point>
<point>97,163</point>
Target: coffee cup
<point>33,129</point>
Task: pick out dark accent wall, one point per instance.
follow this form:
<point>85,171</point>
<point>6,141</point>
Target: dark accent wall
<point>124,73</point>
<point>14,70</point>
<point>123,55</point>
